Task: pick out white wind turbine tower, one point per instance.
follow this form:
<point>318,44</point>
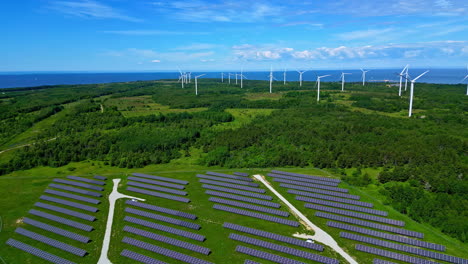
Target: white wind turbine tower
<point>364,76</point>
<point>466,77</point>
<point>300,77</point>
<point>412,92</point>
<point>343,80</point>
<point>222,77</point>
<point>242,78</point>
<point>271,79</point>
<point>236,77</point>
<point>229,76</point>
<point>181,78</point>
<point>401,78</point>
<point>196,83</point>
<point>318,85</point>
<point>189,78</point>
<point>284,77</point>
<point>406,77</point>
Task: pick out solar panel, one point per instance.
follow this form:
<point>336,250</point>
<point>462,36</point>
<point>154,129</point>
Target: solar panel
<point>98,177</point>
<point>160,183</point>
<point>163,251</point>
<point>248,261</point>
<point>51,242</point>
<point>72,196</point>
<point>241,182</point>
<point>241,174</point>
<point>156,188</point>
<point>380,261</point>
<point>234,177</point>
<point>167,240</point>
<point>65,211</point>
<point>273,236</point>
<point>79,184</point>
<point>158,194</point>
<point>255,195</point>
<point>244,199</point>
<point>68,203</point>
<point>161,209</point>
<point>139,257</point>
<point>370,224</point>
<point>330,198</point>
<point>76,190</point>
<point>61,220</point>
<point>393,255</point>
<point>312,185</point>
<point>256,215</point>
<point>264,255</point>
<point>250,206</point>
<point>346,206</point>
<point>283,249</point>
<point>86,180</point>
<point>306,176</point>
<point>160,178</point>
<point>163,218</point>
<point>235,186</point>
<point>299,179</point>
<point>37,252</point>
<point>396,238</point>
<point>338,194</point>
<point>355,214</point>
<point>56,230</point>
<point>164,228</point>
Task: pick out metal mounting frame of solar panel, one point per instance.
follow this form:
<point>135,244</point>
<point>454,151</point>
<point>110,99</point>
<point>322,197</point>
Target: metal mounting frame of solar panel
<point>397,238</point>
<point>393,255</point>
<point>157,188</point>
<point>355,214</point>
<point>75,190</point>
<point>243,174</point>
<point>158,194</point>
<point>347,207</point>
<point>404,248</point>
<point>381,261</point>
<point>139,257</point>
<point>164,251</point>
<point>51,242</point>
<point>354,221</point>
<point>160,183</point>
<point>333,184</point>
<point>161,209</point>
<point>330,198</point>
<point>256,215</point>
<point>72,196</point>
<point>99,177</point>
<point>68,203</point>
<point>338,194</point>
<point>282,249</point>
<point>168,240</point>
<point>251,184</point>
<point>268,256</point>
<point>306,176</point>
<point>162,218</point>
<point>65,211</point>
<point>273,236</point>
<point>234,177</point>
<point>160,178</point>
<point>249,206</point>
<point>311,185</point>
<point>76,178</point>
<point>37,252</point>
<point>244,199</point>
<point>56,230</point>
<point>61,220</point>
<point>240,187</point>
<point>164,228</point>
<point>79,184</point>
<point>245,193</point>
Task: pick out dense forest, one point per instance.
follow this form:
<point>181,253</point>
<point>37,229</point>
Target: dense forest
<point>423,160</point>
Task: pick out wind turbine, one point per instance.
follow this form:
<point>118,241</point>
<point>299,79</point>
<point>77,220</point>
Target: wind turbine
<point>406,77</point>
<point>364,76</point>
<point>181,78</point>
<point>236,78</point>
<point>318,85</point>
<point>412,92</point>
<point>271,79</point>
<point>342,80</point>
<point>222,77</point>
<point>229,76</point>
<point>241,78</point>
<point>401,78</point>
<point>196,84</point>
<point>284,77</point>
<point>300,77</point>
<point>466,77</point>
<point>189,78</point>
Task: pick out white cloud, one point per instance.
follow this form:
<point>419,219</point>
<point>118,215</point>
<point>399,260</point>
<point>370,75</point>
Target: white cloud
<point>412,53</point>
<point>366,34</point>
<point>161,56</point>
<point>207,60</point>
<point>156,61</point>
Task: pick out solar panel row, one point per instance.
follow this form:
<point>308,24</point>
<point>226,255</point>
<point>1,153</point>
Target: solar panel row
<point>244,199</point>
<point>255,195</point>
<point>241,182</point>
<point>241,178</point>
<point>61,220</point>
<point>329,198</point>
<point>283,249</point>
<point>163,251</point>
<point>86,180</point>
<point>306,176</point>
<point>158,194</point>
<point>161,209</point>
<point>73,189</point>
<point>164,228</point>
<point>157,188</point>
<point>308,189</point>
<point>51,242</point>
<point>160,183</point>
<point>334,184</point>
<point>160,178</point>
<point>68,203</point>
<point>79,184</point>
<point>346,206</point>
<point>163,218</point>
<point>381,261</point>
<point>139,257</point>
<point>256,215</point>
<point>248,261</point>
<point>66,211</point>
<point>235,186</point>
<point>241,174</point>
<point>167,240</point>
<point>355,214</point>
<point>218,173</point>
<point>392,255</point>
<point>72,196</point>
<point>56,230</point>
<point>250,206</point>
<point>273,236</point>
<point>396,238</point>
<point>265,255</point>
<point>98,177</point>
<point>37,252</point>
<point>312,185</point>
<point>370,224</point>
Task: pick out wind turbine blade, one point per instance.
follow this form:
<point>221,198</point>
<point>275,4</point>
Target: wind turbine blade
<point>466,77</point>
<point>324,76</point>
<point>404,69</point>
<point>420,76</point>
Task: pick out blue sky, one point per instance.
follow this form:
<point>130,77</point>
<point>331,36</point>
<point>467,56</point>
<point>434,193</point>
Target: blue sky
<point>118,35</point>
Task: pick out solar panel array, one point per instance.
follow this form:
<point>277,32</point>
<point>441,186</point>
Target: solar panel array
<point>249,206</point>
<point>163,218</point>
<point>337,194</point>
<point>244,199</point>
<point>160,183</point>
<point>381,261</point>
<point>334,184</point>
<point>346,206</point>
<point>240,187</point>
<point>61,220</point>
<point>158,194</point>
<point>248,261</point>
<point>393,255</point>
<point>98,177</point>
<point>51,242</point>
<point>256,215</point>
<point>79,184</point>
<point>306,176</point>
<point>65,211</point>
<point>255,195</point>
<point>312,185</point>
<point>37,252</point>
<point>283,249</point>
<point>355,214</point>
<point>157,188</point>
<point>396,238</point>
<point>241,174</point>
<point>329,198</point>
<point>68,203</point>
<point>163,251</point>
<point>161,209</point>
<point>241,182</point>
<point>370,224</point>
<point>267,256</point>
<point>139,257</point>
<point>73,189</point>
<point>72,196</point>
<point>160,178</point>
<point>234,177</point>
<point>86,180</point>
<point>56,230</point>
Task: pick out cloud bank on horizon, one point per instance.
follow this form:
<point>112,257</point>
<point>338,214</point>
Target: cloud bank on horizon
<point>110,35</point>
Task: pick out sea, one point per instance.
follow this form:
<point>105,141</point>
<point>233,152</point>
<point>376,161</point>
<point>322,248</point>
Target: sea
<point>31,79</point>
